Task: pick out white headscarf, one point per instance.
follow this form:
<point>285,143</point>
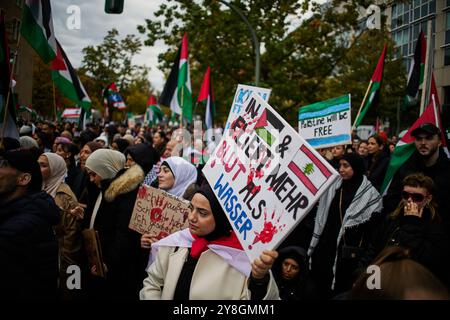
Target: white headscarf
<point>58,171</point>
<point>106,163</point>
<point>184,174</point>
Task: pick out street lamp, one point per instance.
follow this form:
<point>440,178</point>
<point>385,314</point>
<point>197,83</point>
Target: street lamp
<point>254,38</point>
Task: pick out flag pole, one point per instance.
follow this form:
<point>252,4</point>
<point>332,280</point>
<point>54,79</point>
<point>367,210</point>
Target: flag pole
<point>362,104</point>
<point>11,75</point>
<point>425,73</point>
<point>182,100</point>
<point>54,102</point>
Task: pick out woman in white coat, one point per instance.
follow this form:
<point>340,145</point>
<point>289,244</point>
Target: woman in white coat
<point>206,261</point>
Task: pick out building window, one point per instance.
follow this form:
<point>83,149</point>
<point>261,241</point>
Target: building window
<point>407,20</point>
<point>447,95</point>
<point>448,3</point>
<point>447,56</point>
<point>447,28</point>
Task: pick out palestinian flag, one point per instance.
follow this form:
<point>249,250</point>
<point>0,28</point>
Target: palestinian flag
<point>406,147</point>
<point>267,125</point>
<point>37,28</point>
<point>416,73</point>
<point>26,109</point>
<point>154,113</point>
<point>206,98</point>
<point>10,128</point>
<point>375,86</point>
<point>66,79</point>
<point>177,90</point>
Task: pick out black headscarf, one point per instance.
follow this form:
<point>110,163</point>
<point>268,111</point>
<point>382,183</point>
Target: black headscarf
<point>293,252</point>
<point>122,144</point>
<point>351,186</point>
<point>293,289</point>
<point>144,155</point>
<point>223,227</point>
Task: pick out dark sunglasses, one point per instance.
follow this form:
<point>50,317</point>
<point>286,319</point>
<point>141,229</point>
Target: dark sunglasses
<point>416,197</point>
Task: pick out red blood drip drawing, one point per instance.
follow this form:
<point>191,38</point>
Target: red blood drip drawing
<point>269,230</point>
<point>266,235</point>
<point>259,174</point>
<point>142,193</point>
<point>256,189</point>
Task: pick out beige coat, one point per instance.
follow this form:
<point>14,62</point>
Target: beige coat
<point>213,278</point>
<point>68,232</point>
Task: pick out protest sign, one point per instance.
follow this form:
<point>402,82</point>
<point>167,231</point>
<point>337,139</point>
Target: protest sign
<point>326,123</point>
<point>158,213</point>
<point>265,176</point>
<point>243,93</point>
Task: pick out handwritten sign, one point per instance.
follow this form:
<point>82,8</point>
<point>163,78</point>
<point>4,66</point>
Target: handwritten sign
<point>265,176</point>
<point>243,93</point>
<point>158,213</point>
<point>326,123</point>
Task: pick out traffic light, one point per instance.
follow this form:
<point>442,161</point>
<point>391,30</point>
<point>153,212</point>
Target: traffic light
<point>114,6</point>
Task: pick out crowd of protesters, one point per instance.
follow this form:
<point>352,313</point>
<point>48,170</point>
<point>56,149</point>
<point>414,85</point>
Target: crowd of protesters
<point>57,181</point>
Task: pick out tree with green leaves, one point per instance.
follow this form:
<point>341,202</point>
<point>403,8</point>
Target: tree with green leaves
<point>111,61</point>
<point>310,51</point>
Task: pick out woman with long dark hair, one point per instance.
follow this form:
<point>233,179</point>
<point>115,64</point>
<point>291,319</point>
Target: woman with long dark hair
<point>378,160</point>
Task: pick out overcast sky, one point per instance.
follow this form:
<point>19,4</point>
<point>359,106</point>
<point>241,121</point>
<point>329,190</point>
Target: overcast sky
<point>95,24</point>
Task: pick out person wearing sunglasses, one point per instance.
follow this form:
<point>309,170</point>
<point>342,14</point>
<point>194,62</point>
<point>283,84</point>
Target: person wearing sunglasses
<point>430,159</point>
<point>417,226</point>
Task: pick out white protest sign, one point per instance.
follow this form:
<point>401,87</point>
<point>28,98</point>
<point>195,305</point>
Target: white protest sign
<point>326,123</point>
<point>265,176</point>
<point>243,93</point>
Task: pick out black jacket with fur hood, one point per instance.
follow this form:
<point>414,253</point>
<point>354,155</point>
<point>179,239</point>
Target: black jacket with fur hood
<point>120,245</point>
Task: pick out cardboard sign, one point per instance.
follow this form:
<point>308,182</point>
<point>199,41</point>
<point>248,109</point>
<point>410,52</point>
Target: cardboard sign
<point>243,93</point>
<point>265,176</point>
<point>326,123</point>
<point>158,213</point>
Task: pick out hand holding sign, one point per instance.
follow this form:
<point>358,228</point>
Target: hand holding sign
<point>262,265</point>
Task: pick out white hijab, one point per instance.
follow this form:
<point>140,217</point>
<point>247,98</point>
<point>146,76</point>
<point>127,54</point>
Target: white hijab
<point>106,163</point>
<point>184,174</point>
<point>58,172</point>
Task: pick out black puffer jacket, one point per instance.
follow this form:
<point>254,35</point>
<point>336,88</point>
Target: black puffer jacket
<point>28,248</point>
